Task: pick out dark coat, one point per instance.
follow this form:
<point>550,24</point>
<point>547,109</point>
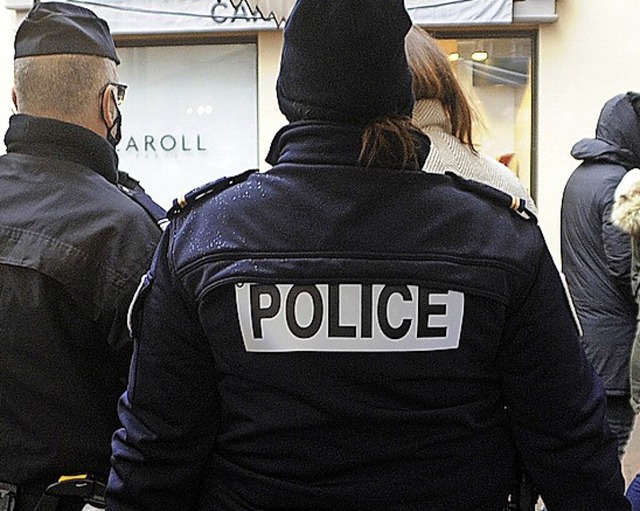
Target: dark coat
<point>596,255</point>
<point>327,336</point>
<point>73,247</point>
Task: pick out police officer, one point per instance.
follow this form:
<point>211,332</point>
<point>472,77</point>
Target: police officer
<point>347,332</point>
<point>73,247</point>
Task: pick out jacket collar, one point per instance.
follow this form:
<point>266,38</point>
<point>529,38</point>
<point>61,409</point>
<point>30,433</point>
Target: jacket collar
<point>50,138</point>
<point>327,143</point>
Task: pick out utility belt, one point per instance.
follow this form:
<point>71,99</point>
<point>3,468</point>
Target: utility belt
<point>76,491</point>
<point>70,493</point>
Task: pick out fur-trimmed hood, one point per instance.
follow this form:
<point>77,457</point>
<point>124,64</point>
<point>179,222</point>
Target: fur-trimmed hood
<point>626,209</point>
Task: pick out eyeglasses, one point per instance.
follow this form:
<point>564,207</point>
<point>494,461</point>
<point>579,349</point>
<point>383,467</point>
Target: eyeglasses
<point>121,90</point>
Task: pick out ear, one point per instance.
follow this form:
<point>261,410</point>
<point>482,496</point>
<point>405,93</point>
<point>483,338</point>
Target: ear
<point>108,106</point>
<point>14,98</point>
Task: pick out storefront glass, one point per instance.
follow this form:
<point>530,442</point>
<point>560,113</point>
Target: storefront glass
<point>190,115</point>
<point>497,74</point>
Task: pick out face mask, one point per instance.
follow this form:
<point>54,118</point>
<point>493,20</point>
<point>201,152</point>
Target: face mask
<point>114,132</point>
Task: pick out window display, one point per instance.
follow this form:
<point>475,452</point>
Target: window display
<point>496,73</point>
<point>190,115</point>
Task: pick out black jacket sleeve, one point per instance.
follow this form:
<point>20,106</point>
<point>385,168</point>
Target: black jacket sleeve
<point>557,403</point>
<point>169,409</point>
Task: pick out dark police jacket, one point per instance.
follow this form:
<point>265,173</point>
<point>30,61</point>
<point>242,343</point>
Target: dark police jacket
<point>72,250</point>
<point>326,336</point>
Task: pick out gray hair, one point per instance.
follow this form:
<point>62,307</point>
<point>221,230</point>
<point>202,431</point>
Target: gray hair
<point>63,87</point>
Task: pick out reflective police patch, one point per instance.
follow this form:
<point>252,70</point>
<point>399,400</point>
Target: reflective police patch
<point>348,317</point>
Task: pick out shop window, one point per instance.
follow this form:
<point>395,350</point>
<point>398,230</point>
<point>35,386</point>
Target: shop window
<point>497,74</point>
<point>190,115</point>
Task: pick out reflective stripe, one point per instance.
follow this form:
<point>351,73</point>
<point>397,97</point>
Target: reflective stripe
<point>133,302</point>
<point>348,317</point>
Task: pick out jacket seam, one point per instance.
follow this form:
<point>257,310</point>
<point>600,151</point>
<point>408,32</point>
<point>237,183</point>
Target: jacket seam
<point>396,257</point>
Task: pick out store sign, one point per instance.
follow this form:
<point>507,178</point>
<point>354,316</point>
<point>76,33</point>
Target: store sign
<point>168,143</point>
<point>226,12</point>
<point>424,12</point>
<point>177,16</point>
<point>182,16</point>
<point>190,116</point>
<point>460,12</point>
<point>275,10</point>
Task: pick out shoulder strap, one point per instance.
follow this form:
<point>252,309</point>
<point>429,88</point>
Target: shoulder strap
<point>132,188</point>
<point>512,202</point>
<point>207,190</point>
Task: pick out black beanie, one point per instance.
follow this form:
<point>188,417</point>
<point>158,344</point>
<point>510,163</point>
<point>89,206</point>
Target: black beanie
<point>54,28</point>
<point>344,61</point>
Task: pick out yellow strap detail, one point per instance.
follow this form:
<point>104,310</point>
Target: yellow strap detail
<point>71,478</point>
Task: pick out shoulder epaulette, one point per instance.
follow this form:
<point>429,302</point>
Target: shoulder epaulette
<point>132,189</point>
<point>207,190</point>
<point>124,179</point>
<point>512,202</point>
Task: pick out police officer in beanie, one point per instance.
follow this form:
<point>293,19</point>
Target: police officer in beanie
<point>347,332</point>
<point>73,246</point>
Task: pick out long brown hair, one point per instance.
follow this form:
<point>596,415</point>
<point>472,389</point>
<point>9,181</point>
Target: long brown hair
<point>434,78</point>
<point>384,139</point>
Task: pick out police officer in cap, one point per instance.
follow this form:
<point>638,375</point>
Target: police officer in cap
<point>73,246</point>
<point>348,332</point>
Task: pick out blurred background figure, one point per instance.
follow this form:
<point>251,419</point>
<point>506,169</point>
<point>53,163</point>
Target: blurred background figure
<point>596,254</point>
<point>626,216</point>
<point>444,113</point>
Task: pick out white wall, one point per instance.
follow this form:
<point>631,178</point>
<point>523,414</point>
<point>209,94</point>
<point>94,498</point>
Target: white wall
<point>589,55</point>
<point>7,32</point>
<point>270,120</point>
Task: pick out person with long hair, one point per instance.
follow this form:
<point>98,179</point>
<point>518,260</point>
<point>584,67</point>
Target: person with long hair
<point>444,113</point>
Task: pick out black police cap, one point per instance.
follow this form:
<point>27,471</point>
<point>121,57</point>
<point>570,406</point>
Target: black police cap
<point>55,28</point>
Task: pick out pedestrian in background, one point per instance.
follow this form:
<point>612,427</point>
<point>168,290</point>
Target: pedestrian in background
<point>626,216</point>
<point>444,113</point>
<point>349,332</point>
<point>73,247</point>
<point>596,254</point>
